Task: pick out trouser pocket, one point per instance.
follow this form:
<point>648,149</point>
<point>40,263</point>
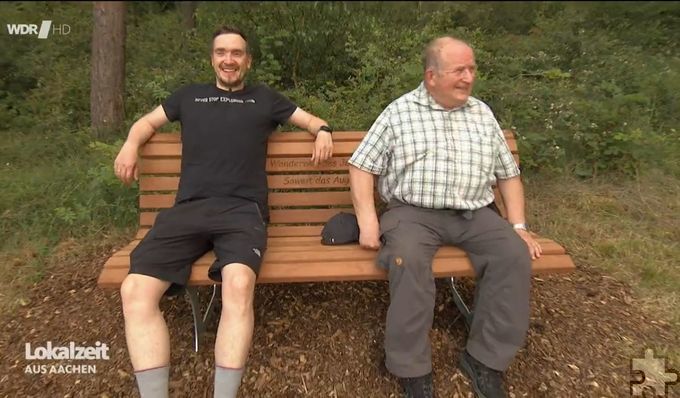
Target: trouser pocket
<point>388,225</point>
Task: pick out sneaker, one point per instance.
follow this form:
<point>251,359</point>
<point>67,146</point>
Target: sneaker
<point>487,382</point>
<point>417,387</point>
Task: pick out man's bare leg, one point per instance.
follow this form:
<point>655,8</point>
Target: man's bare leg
<point>146,333</point>
<point>235,330</point>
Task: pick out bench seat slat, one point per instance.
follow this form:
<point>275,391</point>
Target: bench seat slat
<point>274,231</point>
<point>310,247</point>
<point>308,253</point>
<point>288,216</point>
<point>328,271</point>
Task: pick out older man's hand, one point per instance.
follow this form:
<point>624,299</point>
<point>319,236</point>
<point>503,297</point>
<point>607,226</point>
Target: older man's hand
<point>369,236</point>
<point>534,247</point>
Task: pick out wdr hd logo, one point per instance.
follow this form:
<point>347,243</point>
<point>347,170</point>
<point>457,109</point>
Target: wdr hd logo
<point>32,29</point>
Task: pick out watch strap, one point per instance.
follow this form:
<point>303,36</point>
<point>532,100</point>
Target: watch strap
<point>326,129</point>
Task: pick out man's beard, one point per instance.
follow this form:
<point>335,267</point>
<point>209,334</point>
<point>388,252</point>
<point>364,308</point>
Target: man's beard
<point>232,84</point>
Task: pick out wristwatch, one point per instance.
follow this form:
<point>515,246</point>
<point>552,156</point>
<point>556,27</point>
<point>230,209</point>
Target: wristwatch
<point>326,129</point>
<point>520,226</point>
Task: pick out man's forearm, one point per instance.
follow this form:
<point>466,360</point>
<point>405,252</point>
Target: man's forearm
<point>361,186</point>
<point>140,132</point>
<point>306,121</point>
<point>513,197</point>
<point>315,124</point>
<point>146,126</point>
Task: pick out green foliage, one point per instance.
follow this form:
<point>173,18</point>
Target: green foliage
<point>56,192</point>
<point>45,83</point>
<point>590,88</point>
<point>583,99</point>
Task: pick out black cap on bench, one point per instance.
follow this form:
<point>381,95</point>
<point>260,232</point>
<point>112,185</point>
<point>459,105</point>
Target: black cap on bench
<point>340,229</point>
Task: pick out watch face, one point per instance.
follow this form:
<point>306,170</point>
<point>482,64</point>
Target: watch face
<point>326,129</point>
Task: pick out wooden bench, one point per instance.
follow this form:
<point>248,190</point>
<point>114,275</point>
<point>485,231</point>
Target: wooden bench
<point>302,198</point>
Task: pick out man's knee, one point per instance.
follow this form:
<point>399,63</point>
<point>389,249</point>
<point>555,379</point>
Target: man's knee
<point>238,285</point>
<point>404,251</point>
<point>140,294</point>
<point>518,255</point>
<point>511,260</point>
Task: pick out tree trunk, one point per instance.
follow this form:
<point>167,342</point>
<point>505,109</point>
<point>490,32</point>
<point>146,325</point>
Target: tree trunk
<point>108,68</point>
<point>187,10</point>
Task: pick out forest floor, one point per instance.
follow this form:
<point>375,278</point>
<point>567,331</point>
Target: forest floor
<point>325,339</point>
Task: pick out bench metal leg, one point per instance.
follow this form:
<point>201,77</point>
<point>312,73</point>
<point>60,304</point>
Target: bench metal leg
<point>208,311</point>
<point>199,326</point>
<point>460,304</point>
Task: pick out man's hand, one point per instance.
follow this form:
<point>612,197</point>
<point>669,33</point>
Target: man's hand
<point>323,147</point>
<point>125,165</point>
<point>369,236</point>
<point>534,247</point>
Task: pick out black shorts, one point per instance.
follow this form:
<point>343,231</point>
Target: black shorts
<point>233,228</point>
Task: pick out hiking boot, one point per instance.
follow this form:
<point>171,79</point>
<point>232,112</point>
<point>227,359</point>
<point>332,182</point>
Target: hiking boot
<point>487,382</point>
<point>417,387</point>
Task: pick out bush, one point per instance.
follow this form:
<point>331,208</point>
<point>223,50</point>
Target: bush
<point>63,192</point>
<point>589,88</point>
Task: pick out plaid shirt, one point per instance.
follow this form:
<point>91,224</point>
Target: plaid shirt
<point>435,158</point>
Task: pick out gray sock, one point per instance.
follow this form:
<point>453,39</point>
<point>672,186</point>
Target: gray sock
<point>153,383</point>
<point>227,382</point>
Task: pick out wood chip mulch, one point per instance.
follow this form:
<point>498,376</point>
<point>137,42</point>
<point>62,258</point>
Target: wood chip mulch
<point>325,340</point>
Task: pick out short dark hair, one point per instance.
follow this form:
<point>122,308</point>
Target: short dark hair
<point>227,29</point>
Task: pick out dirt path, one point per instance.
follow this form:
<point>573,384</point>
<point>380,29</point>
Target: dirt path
<point>325,340</point>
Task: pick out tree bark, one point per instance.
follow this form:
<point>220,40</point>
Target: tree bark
<point>187,10</point>
<point>108,68</point>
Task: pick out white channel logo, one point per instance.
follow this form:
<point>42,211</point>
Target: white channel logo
<point>100,351</point>
<point>32,29</point>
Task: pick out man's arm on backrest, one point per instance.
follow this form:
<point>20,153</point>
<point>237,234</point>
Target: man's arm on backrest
<point>323,144</point>
<point>125,165</point>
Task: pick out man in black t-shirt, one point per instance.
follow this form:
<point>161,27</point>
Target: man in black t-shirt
<point>221,204</point>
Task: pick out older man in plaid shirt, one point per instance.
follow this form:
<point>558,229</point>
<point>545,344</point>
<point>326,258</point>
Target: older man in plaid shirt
<point>438,152</point>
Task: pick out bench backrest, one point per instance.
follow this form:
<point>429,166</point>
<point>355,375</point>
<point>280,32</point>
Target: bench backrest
<point>302,197</point>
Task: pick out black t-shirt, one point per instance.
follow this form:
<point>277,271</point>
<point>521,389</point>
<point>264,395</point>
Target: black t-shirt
<point>224,140</point>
